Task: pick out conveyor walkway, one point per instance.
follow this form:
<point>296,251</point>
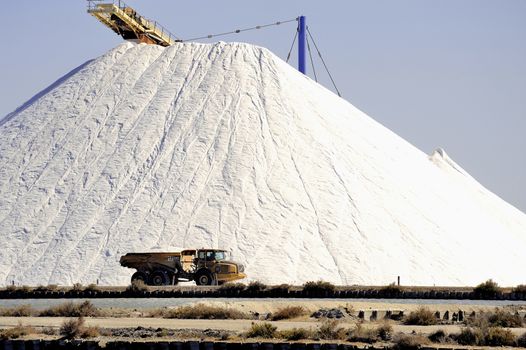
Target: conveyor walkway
<point>126,22</point>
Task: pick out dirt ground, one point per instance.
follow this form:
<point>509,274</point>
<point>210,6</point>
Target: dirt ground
<point>263,307</point>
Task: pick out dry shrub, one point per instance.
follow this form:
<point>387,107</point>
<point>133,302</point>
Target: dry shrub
<point>281,288</point>
<point>256,286</point>
<point>391,289</point>
<point>438,336</point>
<point>499,318</point>
<point>421,317</point>
<point>363,335</point>
<point>409,342</point>
<point>288,312</point>
<point>16,332</point>
<point>205,312</point>
<point>297,334</point>
<point>233,287</point>
<point>521,341</point>
<point>49,331</point>
<point>69,309</point>
<point>75,328</point>
<point>371,335</point>
<point>506,319</point>
<point>72,328</point>
<point>89,332</point>
<point>137,286</point>
<point>18,311</point>
<point>385,331</point>
<point>318,286</point>
<point>487,289</point>
<point>48,288</point>
<point>262,330</point>
<point>330,330</point>
<point>469,336</point>
<point>158,313</point>
<point>497,336</point>
<point>19,289</point>
<point>77,287</point>
<point>92,288</point>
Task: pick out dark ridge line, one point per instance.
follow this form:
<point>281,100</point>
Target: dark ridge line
<point>41,344</point>
<point>292,294</point>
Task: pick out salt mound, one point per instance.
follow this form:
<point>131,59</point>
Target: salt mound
<point>227,146</point>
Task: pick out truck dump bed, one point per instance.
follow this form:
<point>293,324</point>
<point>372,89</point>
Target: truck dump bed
<point>141,260</point>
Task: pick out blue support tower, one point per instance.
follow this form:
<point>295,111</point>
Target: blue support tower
<point>302,66</point>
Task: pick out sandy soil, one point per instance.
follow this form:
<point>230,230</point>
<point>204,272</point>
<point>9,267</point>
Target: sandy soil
<point>230,325</point>
<point>262,307</point>
<point>269,305</point>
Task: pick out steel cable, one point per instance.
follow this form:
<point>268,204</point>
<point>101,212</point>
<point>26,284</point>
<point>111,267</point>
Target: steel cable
<point>237,31</point>
<point>323,61</point>
<point>311,60</point>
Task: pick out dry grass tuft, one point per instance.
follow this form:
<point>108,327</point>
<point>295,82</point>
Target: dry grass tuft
<point>92,288</point>
<point>75,328</point>
<point>409,342</point>
<point>256,286</point>
<point>205,312</point>
<point>421,317</point>
<point>69,309</point>
<point>16,332</point>
<point>137,286</point>
<point>262,330</point>
<point>363,335</point>
<point>296,334</point>
<point>288,312</point>
<point>318,286</point>
<point>90,332</point>
<point>498,336</point>
<point>330,330</point>
<point>18,311</point>
<point>501,318</point>
<point>49,331</point>
<point>233,287</point>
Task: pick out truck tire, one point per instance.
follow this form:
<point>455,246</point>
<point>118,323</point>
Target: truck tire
<point>204,278</point>
<point>158,278</point>
<point>138,276</point>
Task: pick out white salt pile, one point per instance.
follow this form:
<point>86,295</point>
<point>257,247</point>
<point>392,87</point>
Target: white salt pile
<point>227,146</point>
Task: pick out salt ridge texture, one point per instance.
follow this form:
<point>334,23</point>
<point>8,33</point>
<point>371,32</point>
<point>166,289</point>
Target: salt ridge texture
<point>227,146</point>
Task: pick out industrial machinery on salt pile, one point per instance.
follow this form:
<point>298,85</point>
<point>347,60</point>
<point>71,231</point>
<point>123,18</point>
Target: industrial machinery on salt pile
<point>126,22</point>
<point>204,266</point>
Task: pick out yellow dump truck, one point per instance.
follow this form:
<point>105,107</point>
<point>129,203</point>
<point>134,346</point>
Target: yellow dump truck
<point>204,266</point>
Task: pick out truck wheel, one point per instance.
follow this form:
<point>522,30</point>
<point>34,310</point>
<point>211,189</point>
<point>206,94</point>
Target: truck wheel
<point>138,276</point>
<point>158,278</point>
<point>204,278</point>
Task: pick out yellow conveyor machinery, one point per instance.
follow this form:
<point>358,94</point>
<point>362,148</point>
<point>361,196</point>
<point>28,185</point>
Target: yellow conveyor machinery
<point>126,22</point>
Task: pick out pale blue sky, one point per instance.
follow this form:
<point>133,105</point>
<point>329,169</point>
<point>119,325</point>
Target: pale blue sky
<point>445,73</point>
